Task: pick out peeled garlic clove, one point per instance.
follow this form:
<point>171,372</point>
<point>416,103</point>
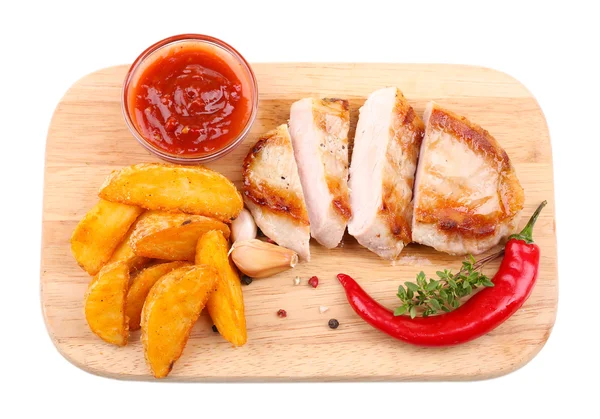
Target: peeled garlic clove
<point>259,259</point>
<point>243,227</point>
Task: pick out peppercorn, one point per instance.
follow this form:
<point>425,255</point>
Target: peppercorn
<point>214,328</point>
<point>281,313</point>
<point>313,282</point>
<point>246,280</point>
<point>333,323</point>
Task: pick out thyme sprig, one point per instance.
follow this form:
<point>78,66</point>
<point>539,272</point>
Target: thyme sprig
<point>427,297</point>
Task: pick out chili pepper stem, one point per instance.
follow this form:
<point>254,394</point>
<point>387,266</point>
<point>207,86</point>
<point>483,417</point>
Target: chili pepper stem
<point>527,234</point>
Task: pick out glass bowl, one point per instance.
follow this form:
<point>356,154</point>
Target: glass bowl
<point>159,50</point>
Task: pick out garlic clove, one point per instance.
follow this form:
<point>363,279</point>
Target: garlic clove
<point>243,227</point>
<point>259,259</point>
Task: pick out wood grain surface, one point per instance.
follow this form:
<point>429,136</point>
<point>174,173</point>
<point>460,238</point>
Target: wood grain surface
<point>88,138</point>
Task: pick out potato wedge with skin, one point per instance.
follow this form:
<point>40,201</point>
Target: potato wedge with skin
<point>226,304</point>
<point>161,186</point>
<point>105,303</point>
<point>124,252</point>
<point>140,287</point>
<point>99,233</point>
<point>172,236</point>
<point>171,309</point>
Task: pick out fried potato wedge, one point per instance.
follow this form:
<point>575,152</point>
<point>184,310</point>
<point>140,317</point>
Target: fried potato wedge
<point>99,232</point>
<point>226,304</point>
<point>105,303</point>
<point>172,236</point>
<point>124,252</point>
<point>140,287</point>
<point>161,186</point>
<point>171,309</point>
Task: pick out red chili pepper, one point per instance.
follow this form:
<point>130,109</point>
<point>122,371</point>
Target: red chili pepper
<point>482,313</point>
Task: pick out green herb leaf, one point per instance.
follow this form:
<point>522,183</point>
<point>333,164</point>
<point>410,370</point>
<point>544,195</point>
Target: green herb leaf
<point>401,292</point>
<point>443,294</point>
<point>411,286</point>
<point>486,282</point>
<point>432,285</point>
<point>400,310</point>
<point>421,279</point>
<point>413,312</point>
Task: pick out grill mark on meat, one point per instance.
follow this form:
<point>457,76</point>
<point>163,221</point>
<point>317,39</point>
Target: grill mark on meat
<point>456,219</point>
<point>477,138</point>
<point>340,201</point>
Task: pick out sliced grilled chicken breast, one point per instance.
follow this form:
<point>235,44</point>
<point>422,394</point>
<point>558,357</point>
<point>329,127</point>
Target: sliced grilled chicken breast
<point>319,131</point>
<point>384,160</point>
<point>273,193</point>
<point>467,195</point>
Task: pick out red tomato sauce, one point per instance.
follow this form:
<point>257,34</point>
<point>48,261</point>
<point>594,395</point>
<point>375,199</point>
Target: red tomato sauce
<point>190,102</point>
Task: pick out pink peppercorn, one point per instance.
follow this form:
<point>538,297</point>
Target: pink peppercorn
<point>281,313</point>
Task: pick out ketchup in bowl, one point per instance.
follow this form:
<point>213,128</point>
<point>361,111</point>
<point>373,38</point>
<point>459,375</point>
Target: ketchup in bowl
<point>190,98</point>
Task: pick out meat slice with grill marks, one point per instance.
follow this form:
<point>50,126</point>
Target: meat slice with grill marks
<point>319,132</point>
<point>273,193</point>
<point>467,195</point>
<point>384,160</point>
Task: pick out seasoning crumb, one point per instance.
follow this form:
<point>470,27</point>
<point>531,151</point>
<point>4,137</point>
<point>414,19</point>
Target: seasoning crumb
<point>313,282</point>
<point>323,309</point>
<point>297,280</point>
<point>333,323</point>
<point>281,313</point>
<point>214,328</point>
<point>246,280</point>
<point>186,222</point>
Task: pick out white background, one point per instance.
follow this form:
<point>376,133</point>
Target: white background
<point>552,48</point>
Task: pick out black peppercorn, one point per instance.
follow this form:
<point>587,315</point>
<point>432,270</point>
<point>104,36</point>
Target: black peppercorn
<point>333,323</point>
<point>246,280</point>
<point>214,328</point>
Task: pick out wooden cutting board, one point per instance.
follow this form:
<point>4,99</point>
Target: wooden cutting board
<point>88,138</point>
